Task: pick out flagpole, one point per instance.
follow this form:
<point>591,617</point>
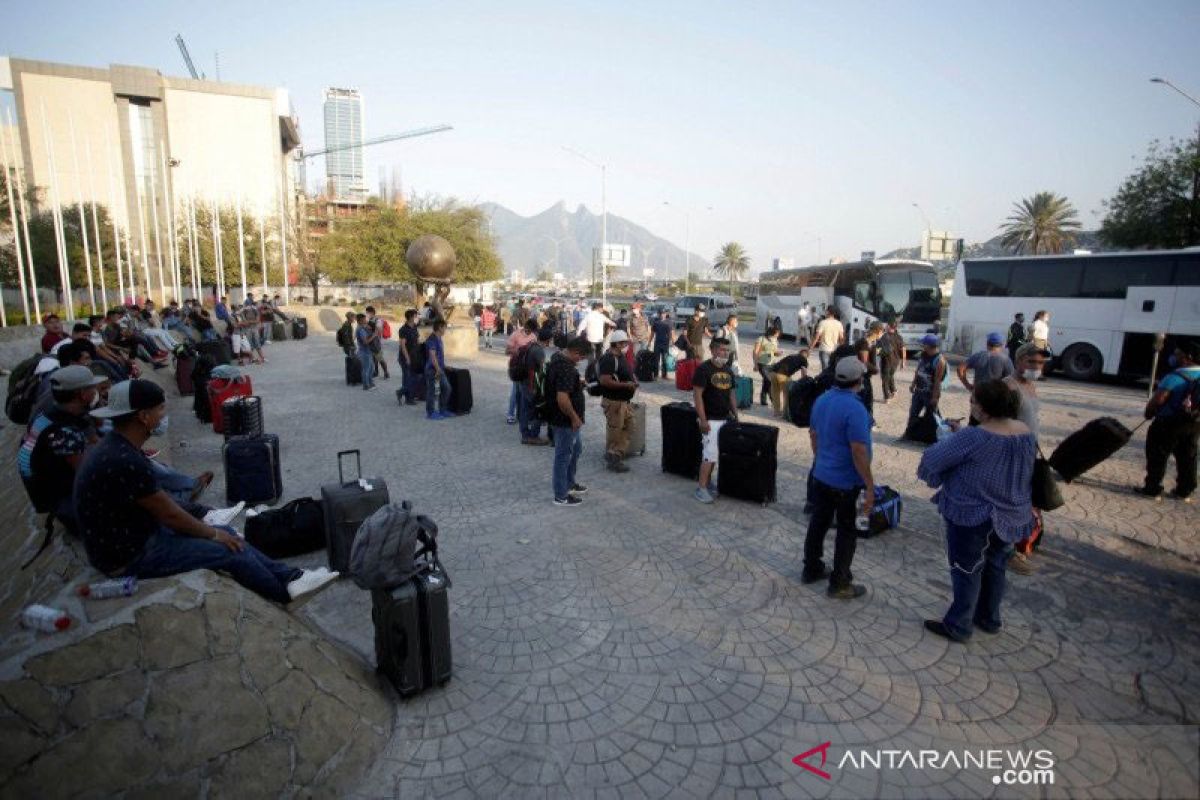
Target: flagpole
<point>64,275</point>
<point>87,253</point>
<point>129,264</point>
<point>112,217</point>
<point>87,150</point>
<point>142,236</point>
<point>262,240</point>
<point>283,239</point>
<point>241,249</point>
<point>37,306</point>
<point>217,265</point>
<point>193,247</point>
<point>162,281</point>
<point>12,213</point>
<point>169,204</point>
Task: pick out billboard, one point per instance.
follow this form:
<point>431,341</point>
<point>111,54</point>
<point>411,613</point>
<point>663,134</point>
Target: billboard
<point>615,255</point>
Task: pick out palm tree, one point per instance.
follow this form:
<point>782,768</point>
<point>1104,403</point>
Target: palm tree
<point>732,262</point>
<point>1044,223</point>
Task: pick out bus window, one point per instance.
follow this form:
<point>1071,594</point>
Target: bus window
<point>862,296</point>
<point>1108,277</point>
<point>1187,269</point>
<point>925,301</point>
<point>987,279</point>
<point>894,288</point>
<point>1048,277</point>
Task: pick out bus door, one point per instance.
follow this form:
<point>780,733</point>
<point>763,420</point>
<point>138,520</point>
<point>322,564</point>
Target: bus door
<point>1148,309</point>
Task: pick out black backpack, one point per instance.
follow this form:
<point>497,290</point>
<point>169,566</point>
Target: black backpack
<point>518,364</point>
<point>202,369</point>
<point>23,386</point>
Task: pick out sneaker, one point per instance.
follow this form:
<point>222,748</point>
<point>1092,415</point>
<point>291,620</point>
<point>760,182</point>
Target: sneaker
<point>712,489</point>
<point>223,516</point>
<point>936,626</point>
<point>848,592</point>
<point>703,495</point>
<point>1183,498</point>
<point>310,582</point>
<point>511,420</point>
<point>578,488</point>
<point>813,577</point>
<point>528,440</point>
<point>569,500</point>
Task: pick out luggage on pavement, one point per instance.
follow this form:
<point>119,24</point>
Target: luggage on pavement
<point>885,514</point>
<point>460,390</point>
<point>201,375</point>
<point>412,632</point>
<point>637,431</point>
<point>670,363</point>
<point>393,546</point>
<point>680,440</point>
<point>290,530</point>
<point>924,429</point>
<point>278,331</point>
<point>183,375</point>
<point>242,416</point>
<point>685,369</point>
<point>346,504</point>
<point>646,366</point>
<point>744,388</point>
<point>801,397</point>
<point>220,390</point>
<point>748,461</point>
<point>218,350</point>
<point>353,371</point>
<point>299,327</point>
<point>1089,446</point>
<point>252,469</point>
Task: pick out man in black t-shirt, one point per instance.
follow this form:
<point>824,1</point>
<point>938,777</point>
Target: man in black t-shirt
<point>564,386</point>
<point>867,351</point>
<point>713,392</point>
<point>411,364</point>
<point>617,386</point>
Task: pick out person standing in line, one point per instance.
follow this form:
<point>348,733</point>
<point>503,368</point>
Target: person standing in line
<point>249,330</point>
<point>266,316</point>
<point>830,333</point>
<point>487,325</point>
<point>715,398</point>
<point>363,337</point>
<point>639,330</point>
<point>696,330</point>
<point>891,356</point>
<point>410,356</point>
<point>564,386</point>
<point>617,386</point>
<point>1039,331</point>
<point>663,333</point>
<point>867,351</point>
<point>926,385</point>
<point>1016,336</point>
<point>534,365</point>
<point>376,323</point>
<point>728,331</point>
<point>1030,363</point>
<point>990,364</point>
<point>520,337</point>
<point>595,327</point>
<point>345,335</point>
<point>984,478</point>
<point>1175,409</point>
<point>765,350</point>
<point>437,385</point>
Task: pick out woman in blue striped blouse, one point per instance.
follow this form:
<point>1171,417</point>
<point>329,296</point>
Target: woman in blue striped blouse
<point>983,476</point>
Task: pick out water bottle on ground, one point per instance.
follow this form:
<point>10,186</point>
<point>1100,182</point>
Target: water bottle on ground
<point>102,590</point>
<point>861,521</point>
<point>44,618</point>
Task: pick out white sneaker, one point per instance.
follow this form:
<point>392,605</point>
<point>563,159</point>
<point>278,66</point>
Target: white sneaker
<point>223,516</point>
<point>310,582</point>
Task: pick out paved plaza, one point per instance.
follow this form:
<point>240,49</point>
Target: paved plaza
<point>644,645</point>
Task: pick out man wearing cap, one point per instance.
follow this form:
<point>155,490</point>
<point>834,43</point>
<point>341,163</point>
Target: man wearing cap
<point>56,440</point>
<point>617,386</point>
<point>840,433</point>
<point>132,527</point>
<point>990,364</point>
<point>926,384</point>
<point>68,353</point>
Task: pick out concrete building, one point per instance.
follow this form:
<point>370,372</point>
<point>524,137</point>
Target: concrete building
<point>161,143</point>
<point>343,136</point>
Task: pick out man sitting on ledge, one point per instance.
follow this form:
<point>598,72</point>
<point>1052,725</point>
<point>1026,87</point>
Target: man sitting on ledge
<point>132,527</point>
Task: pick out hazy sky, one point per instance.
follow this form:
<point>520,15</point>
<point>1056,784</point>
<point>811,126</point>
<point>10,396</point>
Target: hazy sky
<point>791,120</point>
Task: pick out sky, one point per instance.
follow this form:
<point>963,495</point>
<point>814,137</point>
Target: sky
<point>801,130</point>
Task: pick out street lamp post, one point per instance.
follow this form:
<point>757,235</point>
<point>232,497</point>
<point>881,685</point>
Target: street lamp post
<point>687,244</point>
<point>1194,215</point>
<point>603,223</point>
<point>555,242</point>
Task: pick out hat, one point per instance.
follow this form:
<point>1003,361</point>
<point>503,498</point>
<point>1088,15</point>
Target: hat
<point>47,364</point>
<point>995,339</point>
<point>930,340</point>
<point>73,378</point>
<point>849,370</point>
<point>127,397</point>
<point>617,337</point>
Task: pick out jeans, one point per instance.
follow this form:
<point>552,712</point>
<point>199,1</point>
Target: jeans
<point>169,553</point>
<point>1172,436</point>
<point>264,330</point>
<point>977,559</point>
<point>528,424</point>
<point>765,391</point>
<point>660,359</point>
<point>824,358</point>
<point>367,362</point>
<point>437,391</point>
<point>512,401</point>
<point>920,402</point>
<point>827,503</point>
<point>173,482</point>
<point>568,445</point>
<point>406,379</point>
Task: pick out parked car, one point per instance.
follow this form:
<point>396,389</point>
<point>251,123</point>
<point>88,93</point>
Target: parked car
<point>717,306</point>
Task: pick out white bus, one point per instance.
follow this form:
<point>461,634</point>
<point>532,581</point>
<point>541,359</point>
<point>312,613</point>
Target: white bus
<point>903,290</point>
<point>1105,308</point>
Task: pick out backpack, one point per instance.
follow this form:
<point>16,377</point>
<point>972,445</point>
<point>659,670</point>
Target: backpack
<point>541,400</point>
<point>518,364</point>
<point>392,546</point>
<point>345,338</point>
<point>1189,400</point>
<point>23,386</point>
<point>387,330</point>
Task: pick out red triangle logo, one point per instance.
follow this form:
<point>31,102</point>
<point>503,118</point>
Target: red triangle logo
<point>802,760</point>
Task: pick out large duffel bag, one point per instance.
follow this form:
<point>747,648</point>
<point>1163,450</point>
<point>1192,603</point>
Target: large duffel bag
<point>681,450</point>
<point>801,397</point>
<point>748,461</point>
<point>637,431</point>
<point>346,505</point>
<point>252,469</point>
<point>278,331</point>
<point>923,428</point>
<point>290,530</point>
<point>222,389</point>
<point>885,514</point>
<point>299,327</point>
<point>461,399</point>
<point>646,366</point>
<point>1089,446</point>
<point>412,632</point>
<point>183,375</point>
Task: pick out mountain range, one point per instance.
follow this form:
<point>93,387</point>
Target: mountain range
<point>1084,240</point>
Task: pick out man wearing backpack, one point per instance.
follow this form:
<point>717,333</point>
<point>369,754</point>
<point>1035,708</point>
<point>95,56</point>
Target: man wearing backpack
<point>617,386</point>
<point>1175,409</point>
<point>532,367</point>
<point>523,335</point>
<point>931,372</point>
<point>345,335</point>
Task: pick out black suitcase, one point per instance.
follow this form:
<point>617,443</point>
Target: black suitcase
<point>353,371</point>
<point>299,327</point>
<point>346,505</point>
<point>460,390</point>
<point>802,395</point>
<point>252,469</point>
<point>201,372</point>
<point>218,350</point>
<point>748,461</point>
<point>680,440</point>
<point>1089,446</point>
<point>290,530</point>
<point>644,371</point>
<point>412,632</point>
<point>242,416</point>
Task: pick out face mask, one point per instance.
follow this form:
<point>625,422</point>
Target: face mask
<point>720,362</point>
<point>105,427</point>
<point>95,400</point>
<point>161,428</point>
<point>1032,374</point>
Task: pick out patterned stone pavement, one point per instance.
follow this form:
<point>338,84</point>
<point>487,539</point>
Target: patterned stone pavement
<point>643,645</point>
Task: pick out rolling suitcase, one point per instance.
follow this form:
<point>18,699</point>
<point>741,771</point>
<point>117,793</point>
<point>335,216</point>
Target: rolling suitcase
<point>681,440</point>
<point>278,331</point>
<point>684,370</point>
<point>748,461</point>
<point>637,433</point>
<point>346,505</point>
<point>460,390</point>
<point>220,390</point>
<point>745,391</point>
<point>353,371</point>
<point>299,327</point>
<point>218,350</point>
<point>201,374</point>
<point>645,369</point>
<point>801,396</point>
<point>412,632</point>
<point>1088,446</point>
<point>252,470</point>
<point>183,375</point>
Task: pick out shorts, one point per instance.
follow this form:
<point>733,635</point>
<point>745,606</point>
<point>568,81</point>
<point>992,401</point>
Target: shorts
<point>709,441</point>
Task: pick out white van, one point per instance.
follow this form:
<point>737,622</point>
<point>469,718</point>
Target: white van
<point>717,306</point>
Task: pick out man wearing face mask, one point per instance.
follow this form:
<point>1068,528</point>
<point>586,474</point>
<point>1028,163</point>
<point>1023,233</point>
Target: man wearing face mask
<point>132,527</point>
<point>1175,431</point>
<point>715,398</point>
<point>617,386</point>
<point>697,329</point>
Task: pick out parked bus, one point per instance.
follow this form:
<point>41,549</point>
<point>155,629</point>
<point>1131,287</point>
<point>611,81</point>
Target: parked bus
<point>1105,308</point>
<point>862,292</point>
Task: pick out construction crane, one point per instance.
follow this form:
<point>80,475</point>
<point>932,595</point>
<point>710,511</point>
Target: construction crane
<point>187,57</point>
<point>391,137</point>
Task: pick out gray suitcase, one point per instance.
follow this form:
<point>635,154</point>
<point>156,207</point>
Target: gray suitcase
<point>346,505</point>
<point>637,435</point>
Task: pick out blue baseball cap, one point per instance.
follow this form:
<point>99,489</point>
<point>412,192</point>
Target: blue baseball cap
<point>930,340</point>
<point>994,339</point>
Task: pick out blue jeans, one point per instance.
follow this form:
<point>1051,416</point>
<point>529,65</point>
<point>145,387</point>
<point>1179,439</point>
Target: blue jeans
<point>169,553</point>
<point>367,361</point>
<point>433,403</point>
<point>978,558</point>
<point>173,482</point>
<point>512,401</point>
<point>528,424</point>
<point>568,445</point>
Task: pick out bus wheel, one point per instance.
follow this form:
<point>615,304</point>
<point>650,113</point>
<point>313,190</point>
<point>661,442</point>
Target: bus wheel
<point>1082,362</point>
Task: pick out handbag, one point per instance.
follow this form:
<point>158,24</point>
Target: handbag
<point>1046,494</point>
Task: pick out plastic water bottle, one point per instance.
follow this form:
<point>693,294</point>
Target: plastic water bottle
<point>44,618</point>
<point>861,521</point>
<point>102,590</point>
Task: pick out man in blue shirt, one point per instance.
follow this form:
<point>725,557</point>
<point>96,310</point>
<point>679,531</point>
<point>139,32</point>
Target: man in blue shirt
<point>1175,409</point>
<point>222,312</point>
<point>363,337</point>
<point>840,432</point>
<point>437,385</point>
<point>663,333</point>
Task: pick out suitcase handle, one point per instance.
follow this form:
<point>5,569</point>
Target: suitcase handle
<point>358,464</point>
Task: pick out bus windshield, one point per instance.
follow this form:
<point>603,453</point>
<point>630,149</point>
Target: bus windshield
<point>910,297</point>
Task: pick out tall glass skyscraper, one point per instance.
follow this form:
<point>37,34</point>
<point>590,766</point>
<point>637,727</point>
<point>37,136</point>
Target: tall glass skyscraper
<point>343,127</point>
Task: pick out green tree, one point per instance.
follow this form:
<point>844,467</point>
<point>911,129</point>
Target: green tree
<point>1159,205</point>
<point>732,263</point>
<point>545,276</point>
<point>1044,223</point>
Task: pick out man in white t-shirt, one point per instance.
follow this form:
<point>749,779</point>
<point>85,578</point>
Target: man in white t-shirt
<point>1039,331</point>
<point>805,319</point>
<point>830,333</point>
<point>594,326</point>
